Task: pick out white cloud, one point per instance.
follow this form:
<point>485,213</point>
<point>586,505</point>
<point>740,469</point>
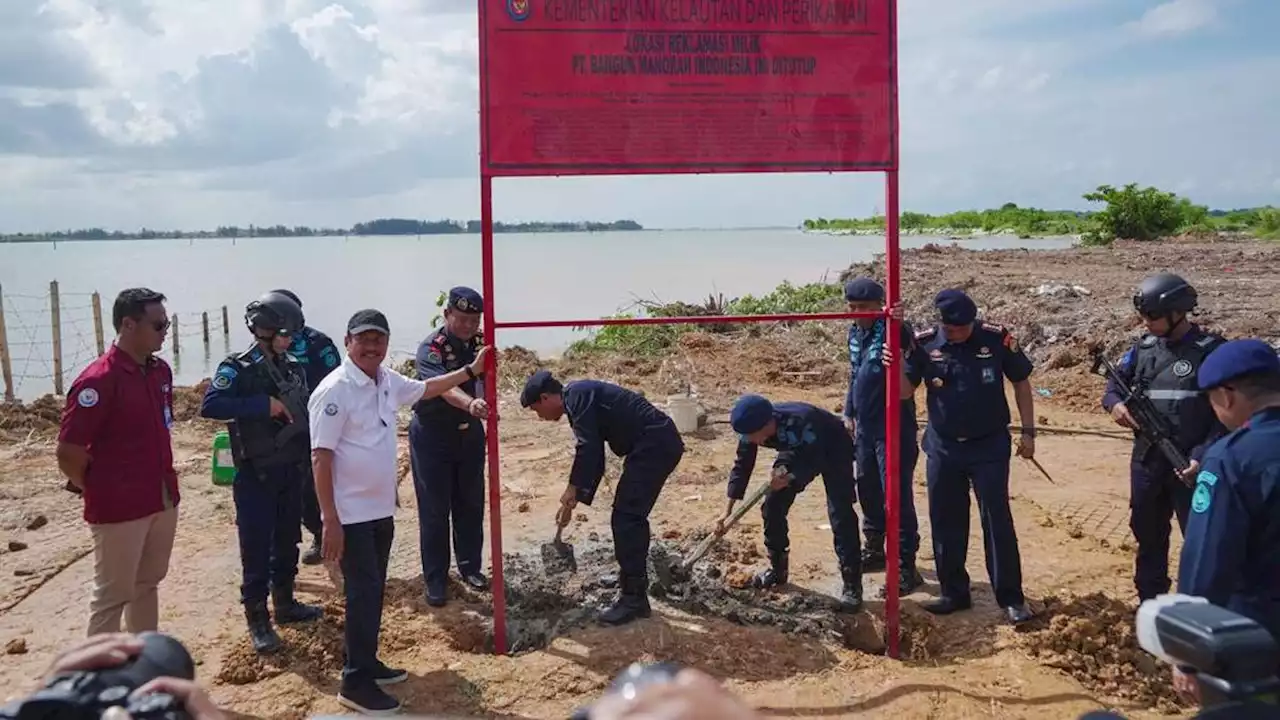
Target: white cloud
<point>195,113</point>
<point>1176,17</point>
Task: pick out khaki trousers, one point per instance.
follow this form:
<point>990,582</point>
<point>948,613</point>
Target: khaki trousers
<point>129,561</point>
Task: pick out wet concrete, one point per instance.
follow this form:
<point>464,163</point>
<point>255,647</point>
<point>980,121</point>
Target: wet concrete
<point>549,599</point>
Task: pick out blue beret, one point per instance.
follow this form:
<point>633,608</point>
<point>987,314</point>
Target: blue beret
<point>464,299</point>
<point>1235,358</point>
<point>537,384</point>
<point>750,413</point>
<point>955,308</point>
<point>863,289</point>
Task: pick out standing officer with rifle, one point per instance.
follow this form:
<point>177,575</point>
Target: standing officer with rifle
<point>262,395</point>
<point>1154,392</point>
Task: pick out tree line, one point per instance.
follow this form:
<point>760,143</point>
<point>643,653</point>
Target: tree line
<point>1128,212</point>
<point>381,226</point>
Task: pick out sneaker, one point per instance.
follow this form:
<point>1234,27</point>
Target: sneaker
<point>388,675</point>
<point>368,699</point>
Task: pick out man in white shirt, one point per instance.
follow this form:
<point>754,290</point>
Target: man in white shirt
<point>353,449</point>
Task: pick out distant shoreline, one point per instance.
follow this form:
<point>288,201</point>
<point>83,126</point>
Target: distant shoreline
<point>950,233</point>
<point>385,227</point>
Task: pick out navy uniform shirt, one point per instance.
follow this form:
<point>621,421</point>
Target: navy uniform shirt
<point>965,381</point>
<point>864,400</point>
<point>1231,554</point>
<point>601,412</point>
<point>229,397</point>
<point>443,353</point>
<point>803,441</point>
<point>317,354</point>
<point>1166,370</point>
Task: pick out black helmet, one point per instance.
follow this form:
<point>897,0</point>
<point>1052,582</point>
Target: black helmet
<point>1165,293</point>
<point>290,294</point>
<point>274,312</point>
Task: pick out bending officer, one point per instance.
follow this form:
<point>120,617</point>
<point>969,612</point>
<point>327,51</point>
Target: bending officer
<point>646,437</point>
<point>810,441</point>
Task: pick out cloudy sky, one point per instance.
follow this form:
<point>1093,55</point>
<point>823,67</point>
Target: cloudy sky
<point>194,113</point>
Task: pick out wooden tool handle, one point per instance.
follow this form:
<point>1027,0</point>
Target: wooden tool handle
<point>742,509</point>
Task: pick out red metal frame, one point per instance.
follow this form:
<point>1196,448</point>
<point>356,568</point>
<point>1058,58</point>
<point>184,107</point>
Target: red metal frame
<point>893,382</point>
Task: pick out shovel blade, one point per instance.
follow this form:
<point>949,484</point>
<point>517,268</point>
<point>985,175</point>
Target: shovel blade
<point>558,557</point>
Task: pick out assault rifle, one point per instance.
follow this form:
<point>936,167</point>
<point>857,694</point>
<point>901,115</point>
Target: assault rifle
<point>293,394</point>
<point>1151,424</point>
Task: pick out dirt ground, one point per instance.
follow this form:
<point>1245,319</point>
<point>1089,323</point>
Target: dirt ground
<point>787,652</point>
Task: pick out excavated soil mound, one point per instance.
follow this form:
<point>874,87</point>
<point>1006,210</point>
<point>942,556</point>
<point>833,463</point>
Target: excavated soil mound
<point>1092,639</point>
<point>17,420</point>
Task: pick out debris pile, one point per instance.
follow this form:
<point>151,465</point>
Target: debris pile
<point>1092,639</point>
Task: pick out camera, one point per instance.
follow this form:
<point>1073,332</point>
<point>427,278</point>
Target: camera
<point>1233,659</point>
<point>86,694</point>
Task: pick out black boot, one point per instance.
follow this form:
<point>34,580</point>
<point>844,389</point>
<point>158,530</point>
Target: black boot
<point>851,593</point>
<point>288,610</point>
<point>313,556</point>
<point>776,574</point>
<point>632,602</point>
<point>909,578</point>
<point>873,553</point>
<point>261,634</point>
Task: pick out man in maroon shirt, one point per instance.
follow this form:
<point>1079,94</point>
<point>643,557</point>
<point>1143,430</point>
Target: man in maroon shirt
<point>114,448</point>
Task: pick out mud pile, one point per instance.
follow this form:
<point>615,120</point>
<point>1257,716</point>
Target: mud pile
<point>17,420</point>
<point>312,650</point>
<point>1092,639</point>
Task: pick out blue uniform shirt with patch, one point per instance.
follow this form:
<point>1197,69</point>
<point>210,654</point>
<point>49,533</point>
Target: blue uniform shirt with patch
<point>864,400</point>
<point>804,432</point>
<point>964,382</point>
<point>225,398</point>
<point>601,412</point>
<point>1231,552</point>
<point>317,354</point>
<point>440,354</point>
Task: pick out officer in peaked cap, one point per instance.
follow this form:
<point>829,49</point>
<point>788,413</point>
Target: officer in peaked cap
<point>809,441</point>
<point>447,451</point>
<point>963,363</point>
<point>864,417</point>
<point>1164,362</point>
<point>1231,552</point>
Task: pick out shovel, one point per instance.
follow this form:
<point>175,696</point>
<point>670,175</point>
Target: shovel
<point>557,555</point>
<point>669,574</point>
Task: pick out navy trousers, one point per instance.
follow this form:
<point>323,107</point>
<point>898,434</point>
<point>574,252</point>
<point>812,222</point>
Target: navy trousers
<point>871,454</point>
<point>1156,496</point>
<point>310,504</point>
<point>366,551</point>
<point>837,480</point>
<point>952,468</point>
<point>448,480</point>
<point>644,473</point>
<point>268,523</point>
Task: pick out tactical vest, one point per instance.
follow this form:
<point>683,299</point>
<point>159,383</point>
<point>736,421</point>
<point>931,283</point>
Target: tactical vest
<point>1167,374</point>
<point>268,442</point>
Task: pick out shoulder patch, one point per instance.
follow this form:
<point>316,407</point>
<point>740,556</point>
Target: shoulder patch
<point>1011,343</point>
<point>1202,499</point>
<point>331,409</point>
<point>439,340</point>
<point>926,334</point>
<point>330,358</point>
<point>223,378</point>
<point>1208,340</point>
<point>993,327</point>
<point>87,398</point>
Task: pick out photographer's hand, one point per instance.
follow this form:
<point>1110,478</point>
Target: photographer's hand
<point>194,699</point>
<point>1185,684</point>
<point>693,694</point>
<point>95,653</point>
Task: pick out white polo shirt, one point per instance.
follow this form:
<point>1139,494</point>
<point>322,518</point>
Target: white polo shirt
<point>356,419</point>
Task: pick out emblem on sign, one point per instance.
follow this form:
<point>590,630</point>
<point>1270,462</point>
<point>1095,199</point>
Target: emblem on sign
<point>1182,368</point>
<point>518,9</point>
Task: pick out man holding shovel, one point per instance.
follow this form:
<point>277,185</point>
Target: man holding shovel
<point>646,437</point>
<point>810,441</point>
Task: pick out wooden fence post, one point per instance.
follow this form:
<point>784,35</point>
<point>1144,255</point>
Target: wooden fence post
<point>55,317</point>
<point>174,321</point>
<point>204,328</point>
<point>6,368</point>
<point>226,324</point>
<point>98,336</point>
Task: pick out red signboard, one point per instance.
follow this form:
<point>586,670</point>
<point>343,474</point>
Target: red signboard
<point>596,87</point>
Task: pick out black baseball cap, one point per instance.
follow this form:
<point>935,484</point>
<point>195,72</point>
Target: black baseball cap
<point>368,319</point>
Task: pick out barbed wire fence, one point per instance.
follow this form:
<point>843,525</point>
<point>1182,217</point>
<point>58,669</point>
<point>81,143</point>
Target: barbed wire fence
<point>47,339</point>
